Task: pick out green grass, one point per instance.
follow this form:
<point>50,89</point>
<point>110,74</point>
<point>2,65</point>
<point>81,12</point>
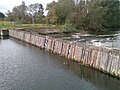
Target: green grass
<point>6,24</point>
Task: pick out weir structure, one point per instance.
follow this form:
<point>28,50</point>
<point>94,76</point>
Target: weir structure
<point>103,59</point>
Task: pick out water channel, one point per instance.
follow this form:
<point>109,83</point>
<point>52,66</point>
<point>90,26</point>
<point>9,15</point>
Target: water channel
<point>26,67</point>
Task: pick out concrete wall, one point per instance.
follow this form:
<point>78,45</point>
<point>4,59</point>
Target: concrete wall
<point>4,32</point>
<point>103,59</point>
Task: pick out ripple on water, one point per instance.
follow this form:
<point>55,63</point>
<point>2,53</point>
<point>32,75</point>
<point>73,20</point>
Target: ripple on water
<point>25,67</point>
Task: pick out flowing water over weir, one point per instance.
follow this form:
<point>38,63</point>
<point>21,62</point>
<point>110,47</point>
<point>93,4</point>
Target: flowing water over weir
<point>25,67</point>
<point>106,60</point>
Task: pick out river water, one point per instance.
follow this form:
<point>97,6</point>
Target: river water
<point>104,40</point>
<point>25,67</point>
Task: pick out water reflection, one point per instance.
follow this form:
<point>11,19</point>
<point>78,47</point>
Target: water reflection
<point>96,78</point>
<point>4,37</point>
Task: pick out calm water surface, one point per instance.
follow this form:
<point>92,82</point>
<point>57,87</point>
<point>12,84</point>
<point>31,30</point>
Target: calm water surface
<point>25,67</point>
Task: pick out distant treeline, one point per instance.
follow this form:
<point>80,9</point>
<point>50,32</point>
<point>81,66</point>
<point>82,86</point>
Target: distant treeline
<point>95,15</point>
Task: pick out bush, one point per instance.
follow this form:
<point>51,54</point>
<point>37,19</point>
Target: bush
<point>69,28</point>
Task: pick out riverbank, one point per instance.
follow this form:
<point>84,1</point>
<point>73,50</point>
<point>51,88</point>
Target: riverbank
<point>106,60</point>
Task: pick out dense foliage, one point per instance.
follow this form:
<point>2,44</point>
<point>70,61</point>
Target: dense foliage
<point>72,15</point>
<point>98,15</point>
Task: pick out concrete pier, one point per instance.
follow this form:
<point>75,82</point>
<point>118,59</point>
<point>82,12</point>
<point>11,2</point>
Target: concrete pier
<point>103,59</point>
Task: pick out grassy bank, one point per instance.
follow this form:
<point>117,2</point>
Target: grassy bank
<point>6,24</point>
<point>67,28</point>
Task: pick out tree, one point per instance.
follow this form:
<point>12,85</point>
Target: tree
<point>104,14</point>
<point>35,11</point>
<point>26,14</point>
<point>64,10</point>
<point>20,12</point>
<point>59,11</point>
<point>39,18</point>
<point>94,17</point>
<point>2,15</point>
<point>110,13</point>
<point>51,16</point>
<point>78,13</point>
<point>10,16</point>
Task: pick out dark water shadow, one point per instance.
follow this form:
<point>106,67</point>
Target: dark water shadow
<point>4,37</point>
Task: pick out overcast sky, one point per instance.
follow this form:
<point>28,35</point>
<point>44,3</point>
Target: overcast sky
<point>6,5</point>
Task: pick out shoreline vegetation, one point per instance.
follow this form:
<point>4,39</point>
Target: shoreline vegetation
<point>69,16</point>
<point>60,28</point>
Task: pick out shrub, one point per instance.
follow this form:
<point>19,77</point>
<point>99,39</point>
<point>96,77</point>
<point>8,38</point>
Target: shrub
<point>69,28</point>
